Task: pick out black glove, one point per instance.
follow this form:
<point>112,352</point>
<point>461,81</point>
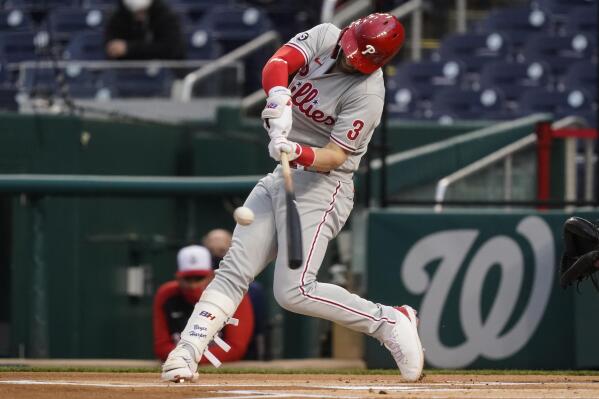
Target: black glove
<point>580,259</point>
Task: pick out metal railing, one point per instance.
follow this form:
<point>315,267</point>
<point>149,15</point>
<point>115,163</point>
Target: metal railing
<point>240,52</point>
<point>506,155</point>
<point>413,7</point>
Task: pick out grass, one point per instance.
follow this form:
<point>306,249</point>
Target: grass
<point>210,370</point>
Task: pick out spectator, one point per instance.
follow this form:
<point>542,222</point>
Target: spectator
<point>217,241</point>
<point>142,30</point>
<point>175,300</point>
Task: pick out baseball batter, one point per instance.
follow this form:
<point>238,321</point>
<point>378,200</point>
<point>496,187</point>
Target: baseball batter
<point>324,120</point>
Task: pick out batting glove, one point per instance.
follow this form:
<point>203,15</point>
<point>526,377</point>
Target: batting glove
<point>277,113</point>
<point>280,144</point>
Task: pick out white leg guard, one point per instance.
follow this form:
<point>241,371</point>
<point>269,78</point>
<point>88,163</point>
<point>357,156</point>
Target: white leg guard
<point>210,315</point>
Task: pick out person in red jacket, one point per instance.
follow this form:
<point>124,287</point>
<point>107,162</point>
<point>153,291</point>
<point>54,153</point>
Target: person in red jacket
<point>175,300</point>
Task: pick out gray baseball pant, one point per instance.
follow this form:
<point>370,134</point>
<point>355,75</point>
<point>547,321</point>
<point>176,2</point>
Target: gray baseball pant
<point>324,204</point>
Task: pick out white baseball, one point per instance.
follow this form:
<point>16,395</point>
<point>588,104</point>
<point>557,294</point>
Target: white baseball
<point>243,215</point>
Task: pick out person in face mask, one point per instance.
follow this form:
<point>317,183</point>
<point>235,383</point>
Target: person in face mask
<point>143,30</point>
<point>175,300</point>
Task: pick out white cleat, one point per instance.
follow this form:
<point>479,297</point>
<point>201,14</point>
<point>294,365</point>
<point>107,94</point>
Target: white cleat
<point>404,344</point>
<point>180,365</point>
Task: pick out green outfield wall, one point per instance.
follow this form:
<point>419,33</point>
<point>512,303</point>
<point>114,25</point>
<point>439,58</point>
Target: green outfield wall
<point>92,244</point>
<point>486,287</point>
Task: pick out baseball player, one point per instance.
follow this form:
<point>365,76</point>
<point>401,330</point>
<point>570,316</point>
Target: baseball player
<point>324,120</point>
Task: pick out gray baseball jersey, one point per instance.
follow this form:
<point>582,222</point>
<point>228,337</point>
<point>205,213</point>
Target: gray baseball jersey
<point>338,107</point>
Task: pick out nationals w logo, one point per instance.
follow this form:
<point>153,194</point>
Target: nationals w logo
<point>486,337</point>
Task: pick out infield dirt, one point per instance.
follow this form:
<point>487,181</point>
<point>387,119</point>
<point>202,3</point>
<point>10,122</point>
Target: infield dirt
<point>58,385</point>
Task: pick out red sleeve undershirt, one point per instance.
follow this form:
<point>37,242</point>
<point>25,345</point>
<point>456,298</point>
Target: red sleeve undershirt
<point>277,72</point>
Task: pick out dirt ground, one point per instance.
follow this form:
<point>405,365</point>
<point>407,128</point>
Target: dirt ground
<point>40,385</point>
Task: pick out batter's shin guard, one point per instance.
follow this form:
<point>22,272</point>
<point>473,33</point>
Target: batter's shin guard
<point>210,315</point>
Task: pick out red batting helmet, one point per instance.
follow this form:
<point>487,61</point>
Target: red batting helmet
<point>370,42</point>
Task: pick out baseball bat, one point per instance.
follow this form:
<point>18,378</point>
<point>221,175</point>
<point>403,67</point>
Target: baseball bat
<point>295,252</point>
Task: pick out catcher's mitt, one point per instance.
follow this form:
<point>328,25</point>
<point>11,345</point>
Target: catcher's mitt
<point>580,259</point>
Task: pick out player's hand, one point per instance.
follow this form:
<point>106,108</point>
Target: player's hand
<point>277,113</point>
<point>280,144</point>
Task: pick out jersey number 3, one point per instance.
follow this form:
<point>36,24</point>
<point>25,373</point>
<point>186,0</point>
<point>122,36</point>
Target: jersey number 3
<point>353,134</point>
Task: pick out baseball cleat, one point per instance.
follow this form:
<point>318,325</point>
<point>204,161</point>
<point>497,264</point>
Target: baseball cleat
<point>180,365</point>
<point>404,344</point>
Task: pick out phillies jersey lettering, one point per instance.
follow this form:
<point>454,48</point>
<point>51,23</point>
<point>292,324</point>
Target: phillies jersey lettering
<point>338,107</point>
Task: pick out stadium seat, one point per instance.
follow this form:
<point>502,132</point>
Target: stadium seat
<point>516,23</point>
<point>201,46</point>
<point>467,104</point>
<point>194,10</point>
<point>555,102</point>
<point>80,82</point>
<point>558,52</point>
<point>131,83</point>
<point>513,78</point>
<point>426,77</point>
<point>40,5</point>
<point>474,50</point>
<point>582,20</point>
<point>17,46</point>
<point>15,20</point>
<point>63,22</point>
<point>404,102</point>
<point>559,8</point>
<point>581,75</point>
<point>86,46</point>
<point>99,4</point>
<point>234,26</point>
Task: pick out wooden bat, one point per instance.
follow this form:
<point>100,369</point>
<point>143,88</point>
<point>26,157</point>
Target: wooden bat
<point>295,251</point>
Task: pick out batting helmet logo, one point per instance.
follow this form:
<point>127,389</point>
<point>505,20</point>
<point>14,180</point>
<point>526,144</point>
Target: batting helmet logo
<point>369,49</point>
<point>371,42</point>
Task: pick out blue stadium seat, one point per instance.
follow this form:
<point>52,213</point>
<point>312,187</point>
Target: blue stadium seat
<point>457,103</point>
<point>474,50</point>
<point>513,78</point>
<point>99,4</point>
<point>201,46</point>
<point>194,10</point>
<point>405,102</point>
<point>234,26</point>
<point>130,83</point>
<point>558,52</point>
<point>516,23</point>
<point>582,20</point>
<point>581,75</point>
<point>288,20</point>
<point>86,46</point>
<point>17,46</point>
<point>40,4</point>
<point>555,102</point>
<point>427,77</point>
<point>559,8</point>
<point>63,22</point>
<point>8,99</point>
<point>81,82</point>
<point>15,20</point>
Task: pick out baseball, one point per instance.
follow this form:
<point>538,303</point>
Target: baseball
<point>243,215</point>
